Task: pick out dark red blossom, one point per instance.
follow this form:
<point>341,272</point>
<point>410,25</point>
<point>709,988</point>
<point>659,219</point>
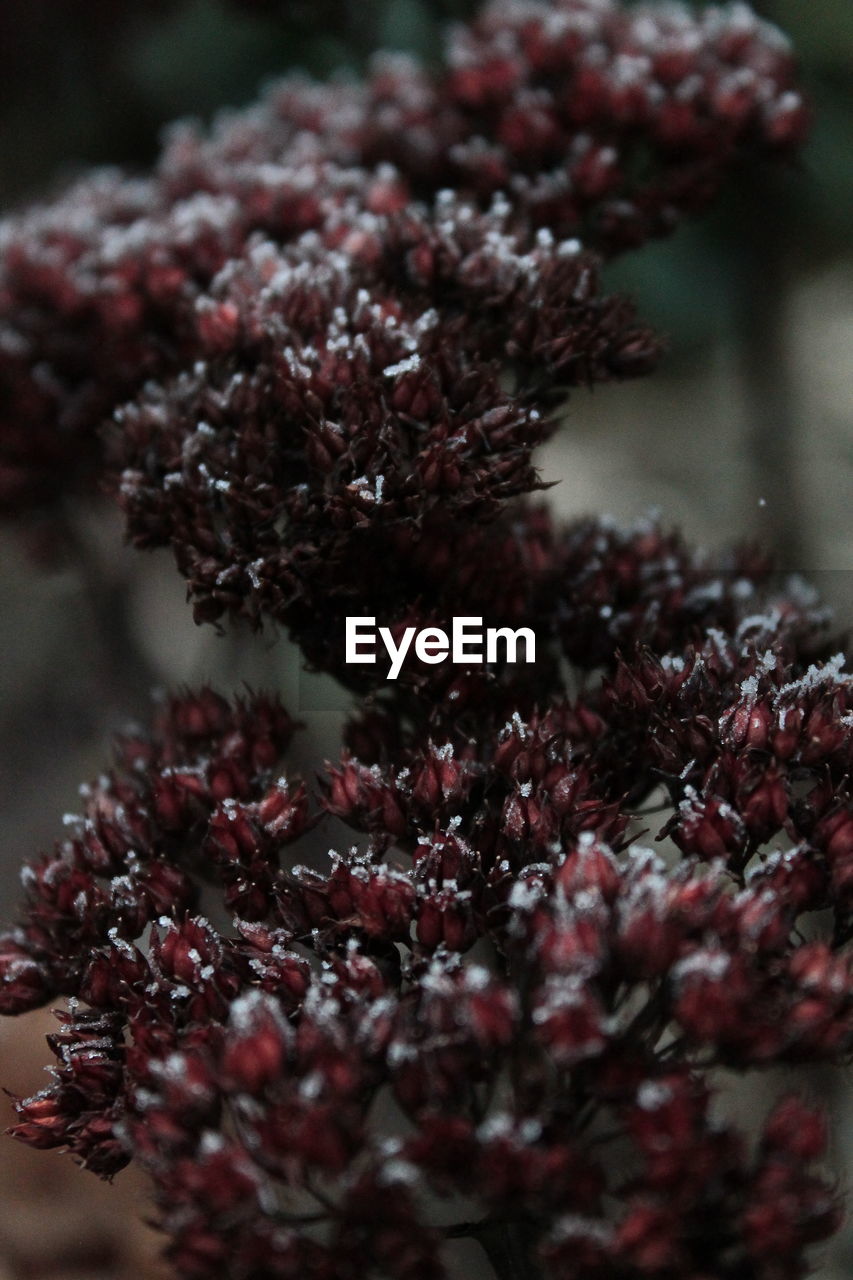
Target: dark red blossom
<point>486,973</point>
<point>578,117</point>
<point>328,337</point>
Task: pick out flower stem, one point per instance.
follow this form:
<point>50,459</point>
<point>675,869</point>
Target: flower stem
<point>508,1251</point>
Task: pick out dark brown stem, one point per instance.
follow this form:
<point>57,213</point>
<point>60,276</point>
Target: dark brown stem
<point>507,1245</point>
<point>508,1249</point>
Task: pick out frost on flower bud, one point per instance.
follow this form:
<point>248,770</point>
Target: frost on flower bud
<point>256,1042</point>
<point>441,780</point>
<point>383,902</point>
<point>445,918</point>
<point>590,866</point>
<point>569,1022</point>
<point>359,796</point>
<point>184,953</point>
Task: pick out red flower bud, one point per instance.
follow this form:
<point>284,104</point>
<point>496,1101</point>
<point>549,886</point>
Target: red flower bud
<point>255,1043</point>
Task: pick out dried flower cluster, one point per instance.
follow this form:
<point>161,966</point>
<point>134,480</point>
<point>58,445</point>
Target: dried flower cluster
<point>582,116</point>
<point>328,338</point>
<point>481,1020</point>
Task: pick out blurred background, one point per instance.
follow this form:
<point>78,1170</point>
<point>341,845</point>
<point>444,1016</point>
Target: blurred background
<point>745,432</point>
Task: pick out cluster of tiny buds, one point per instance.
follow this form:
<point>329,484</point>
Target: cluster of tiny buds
<point>488,996</point>
<point>606,121</point>
<point>325,339</point>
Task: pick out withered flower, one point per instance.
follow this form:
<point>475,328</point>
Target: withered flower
<point>327,338</point>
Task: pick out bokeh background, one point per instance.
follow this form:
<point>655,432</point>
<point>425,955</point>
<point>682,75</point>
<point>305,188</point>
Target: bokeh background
<point>746,432</point>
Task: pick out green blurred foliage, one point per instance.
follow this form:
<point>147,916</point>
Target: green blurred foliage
<point>691,287</point>
<point>822,32</point>
<point>205,55</point>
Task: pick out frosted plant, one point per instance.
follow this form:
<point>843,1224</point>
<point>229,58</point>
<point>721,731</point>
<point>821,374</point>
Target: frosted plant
<point>318,346</point>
